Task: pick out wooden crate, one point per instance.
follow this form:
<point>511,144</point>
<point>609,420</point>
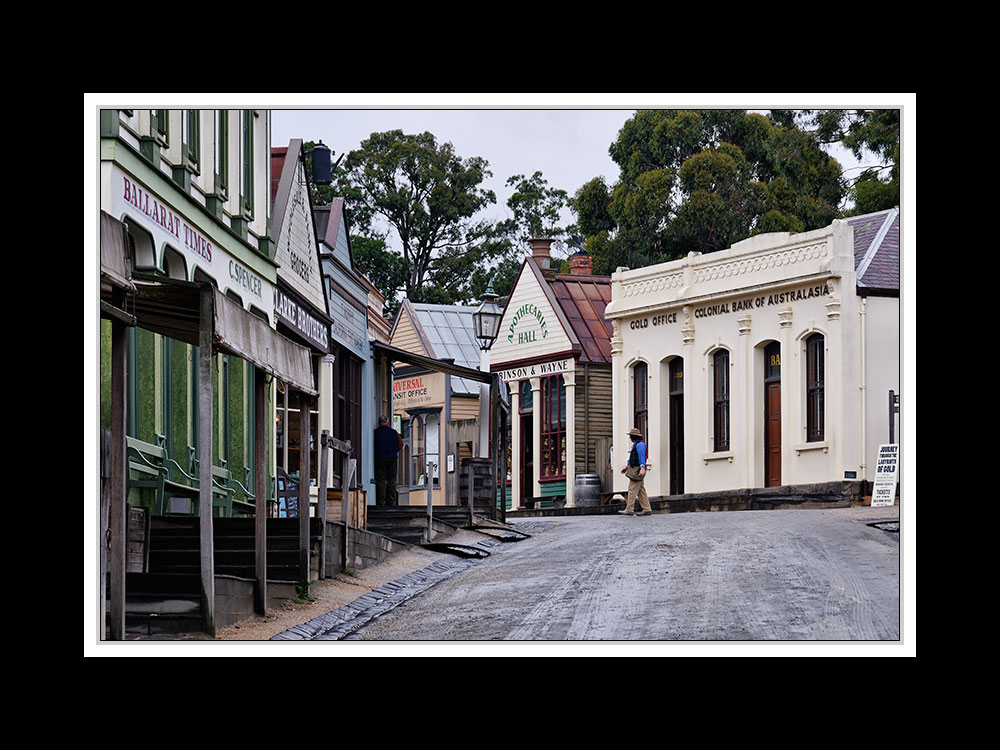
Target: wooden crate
<point>357,507</point>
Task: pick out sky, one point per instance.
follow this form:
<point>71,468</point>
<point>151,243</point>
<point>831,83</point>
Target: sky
<point>564,136</point>
<point>569,147</point>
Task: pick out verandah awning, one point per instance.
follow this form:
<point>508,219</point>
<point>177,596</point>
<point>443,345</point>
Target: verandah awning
<point>172,308</point>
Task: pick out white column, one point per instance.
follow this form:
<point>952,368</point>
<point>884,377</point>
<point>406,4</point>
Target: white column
<point>536,436</point>
<point>789,434</point>
<point>746,353</point>
<point>515,444</point>
<point>619,400</point>
<point>569,379</point>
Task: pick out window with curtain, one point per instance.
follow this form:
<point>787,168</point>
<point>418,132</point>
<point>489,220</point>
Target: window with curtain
<point>815,388</point>
<point>720,367</point>
<point>553,427</point>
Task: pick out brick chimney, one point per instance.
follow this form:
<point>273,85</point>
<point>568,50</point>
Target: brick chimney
<point>540,251</point>
<point>580,263</point>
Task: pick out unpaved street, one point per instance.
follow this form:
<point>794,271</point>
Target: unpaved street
<point>795,575</point>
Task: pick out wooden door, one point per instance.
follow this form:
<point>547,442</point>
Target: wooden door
<point>772,416</point>
<point>527,470</point>
<point>676,427</point>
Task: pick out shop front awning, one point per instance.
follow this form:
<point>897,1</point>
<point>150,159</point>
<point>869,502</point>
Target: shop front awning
<point>114,255</point>
<point>172,308</point>
<point>436,365</point>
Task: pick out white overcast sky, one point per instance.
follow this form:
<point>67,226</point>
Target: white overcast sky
<point>564,136</point>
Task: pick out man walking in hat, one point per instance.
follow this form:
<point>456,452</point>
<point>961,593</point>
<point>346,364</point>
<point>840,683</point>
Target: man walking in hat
<point>635,470</point>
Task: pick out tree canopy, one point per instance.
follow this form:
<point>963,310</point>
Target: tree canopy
<point>702,180</point>
<point>689,180</point>
<point>428,195</point>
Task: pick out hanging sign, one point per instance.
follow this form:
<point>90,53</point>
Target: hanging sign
<point>296,317</point>
<point>886,466</point>
<point>417,391</point>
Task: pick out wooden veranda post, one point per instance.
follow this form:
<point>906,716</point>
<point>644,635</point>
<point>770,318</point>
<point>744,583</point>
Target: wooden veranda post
<point>323,469</point>
<point>260,492</point>
<point>116,509</point>
<point>206,367</point>
<point>305,402</point>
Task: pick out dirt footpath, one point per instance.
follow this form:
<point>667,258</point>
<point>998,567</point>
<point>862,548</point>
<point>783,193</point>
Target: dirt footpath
<point>339,591</point>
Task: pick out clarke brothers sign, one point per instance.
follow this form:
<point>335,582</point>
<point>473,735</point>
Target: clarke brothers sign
<point>296,317</point>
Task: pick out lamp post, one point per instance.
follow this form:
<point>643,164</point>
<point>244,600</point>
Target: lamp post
<point>486,322</point>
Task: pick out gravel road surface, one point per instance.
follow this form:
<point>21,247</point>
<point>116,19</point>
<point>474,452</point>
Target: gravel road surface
<point>757,576</point>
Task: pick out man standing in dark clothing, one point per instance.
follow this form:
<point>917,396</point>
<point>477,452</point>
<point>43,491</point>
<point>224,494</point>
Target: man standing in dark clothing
<point>387,445</point>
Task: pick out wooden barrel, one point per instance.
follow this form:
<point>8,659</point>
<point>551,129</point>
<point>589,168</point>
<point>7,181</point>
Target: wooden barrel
<point>587,490</point>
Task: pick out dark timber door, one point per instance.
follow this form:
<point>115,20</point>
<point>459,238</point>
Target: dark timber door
<point>772,415</point>
<point>677,426</point>
<point>527,460</point>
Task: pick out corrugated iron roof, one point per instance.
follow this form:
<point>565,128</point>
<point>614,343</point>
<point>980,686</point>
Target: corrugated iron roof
<point>450,333</point>
<point>583,299</point>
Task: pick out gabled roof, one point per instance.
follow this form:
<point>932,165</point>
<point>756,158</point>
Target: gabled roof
<point>450,333</point>
<point>876,249</point>
<point>583,299</point>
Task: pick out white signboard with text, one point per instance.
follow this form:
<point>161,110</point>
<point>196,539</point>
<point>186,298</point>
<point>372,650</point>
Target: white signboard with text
<point>886,467</point>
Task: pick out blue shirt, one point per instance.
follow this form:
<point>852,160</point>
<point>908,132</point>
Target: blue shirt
<point>640,450</point>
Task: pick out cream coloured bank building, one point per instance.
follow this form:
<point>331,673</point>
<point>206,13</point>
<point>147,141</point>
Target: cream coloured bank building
<point>766,364</point>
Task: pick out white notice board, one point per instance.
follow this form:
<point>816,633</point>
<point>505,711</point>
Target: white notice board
<point>886,466</point>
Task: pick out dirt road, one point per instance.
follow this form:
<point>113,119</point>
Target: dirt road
<point>760,576</point>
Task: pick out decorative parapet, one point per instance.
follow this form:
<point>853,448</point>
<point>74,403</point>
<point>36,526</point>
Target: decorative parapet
<point>760,261</point>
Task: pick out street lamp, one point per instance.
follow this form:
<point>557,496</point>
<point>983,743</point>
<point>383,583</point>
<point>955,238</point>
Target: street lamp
<point>486,319</point>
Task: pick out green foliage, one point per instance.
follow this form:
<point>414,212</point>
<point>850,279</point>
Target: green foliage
<point>702,180</point>
<point>423,190</point>
<point>302,592</point>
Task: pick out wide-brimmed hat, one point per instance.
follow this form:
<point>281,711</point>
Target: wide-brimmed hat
<point>634,432</point>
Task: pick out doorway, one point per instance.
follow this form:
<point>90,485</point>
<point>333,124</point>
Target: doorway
<point>527,473</point>
<point>772,415</point>
<point>676,420</point>
<point>526,469</point>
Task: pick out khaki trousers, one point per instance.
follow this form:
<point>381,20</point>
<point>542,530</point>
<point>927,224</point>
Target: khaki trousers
<point>637,489</point>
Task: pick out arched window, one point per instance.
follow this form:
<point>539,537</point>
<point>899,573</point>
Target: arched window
<point>426,449</point>
<point>720,366</point>
<point>640,397</point>
<point>815,388</point>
